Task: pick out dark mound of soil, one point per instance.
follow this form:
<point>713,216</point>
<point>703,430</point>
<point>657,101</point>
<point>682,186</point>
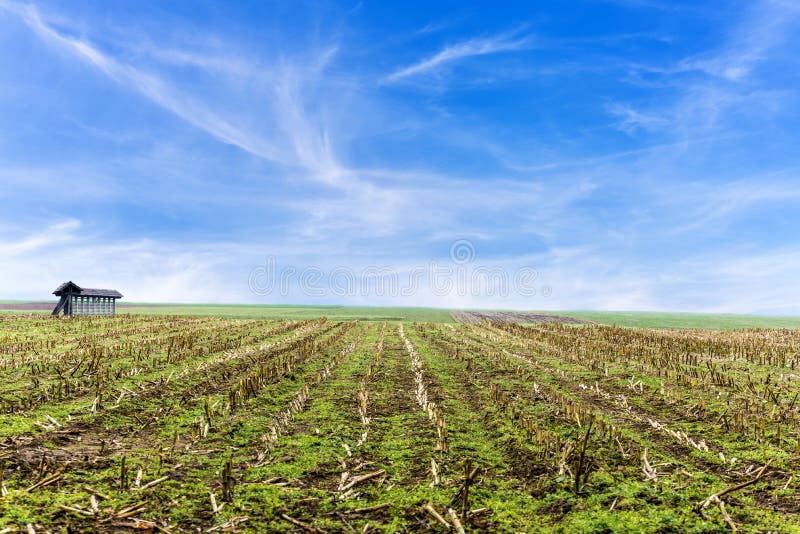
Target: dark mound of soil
<point>514,317</point>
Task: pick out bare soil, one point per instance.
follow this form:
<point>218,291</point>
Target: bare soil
<point>513,317</point>
<point>28,306</point>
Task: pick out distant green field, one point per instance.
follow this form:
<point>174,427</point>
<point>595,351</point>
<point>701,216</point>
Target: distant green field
<point>688,320</point>
<point>440,315</point>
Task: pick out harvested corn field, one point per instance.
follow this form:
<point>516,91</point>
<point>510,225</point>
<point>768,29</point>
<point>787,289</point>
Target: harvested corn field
<point>178,424</point>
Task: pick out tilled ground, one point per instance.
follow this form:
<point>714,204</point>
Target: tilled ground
<point>365,427</point>
<point>476,317</point>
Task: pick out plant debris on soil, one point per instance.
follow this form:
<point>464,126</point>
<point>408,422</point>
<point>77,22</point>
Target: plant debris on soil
<point>204,424</point>
<point>476,317</point>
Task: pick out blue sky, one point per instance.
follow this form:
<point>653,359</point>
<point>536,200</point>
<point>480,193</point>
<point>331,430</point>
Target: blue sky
<point>637,154</point>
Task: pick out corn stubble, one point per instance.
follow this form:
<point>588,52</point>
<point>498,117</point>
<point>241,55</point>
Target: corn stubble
<point>177,424</point>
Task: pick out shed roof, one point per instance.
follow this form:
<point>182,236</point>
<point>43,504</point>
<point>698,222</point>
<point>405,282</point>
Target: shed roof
<point>67,286</point>
<point>75,289</point>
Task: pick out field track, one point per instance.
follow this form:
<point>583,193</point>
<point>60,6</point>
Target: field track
<point>174,424</point>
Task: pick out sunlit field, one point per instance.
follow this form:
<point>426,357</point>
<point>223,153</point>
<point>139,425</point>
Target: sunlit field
<point>170,423</point>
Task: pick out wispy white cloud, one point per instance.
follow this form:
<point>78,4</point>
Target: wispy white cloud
<point>709,208</point>
<point>657,149</point>
<point>632,120</point>
<point>434,27</point>
<point>57,234</point>
<point>665,6</point>
<point>764,29</point>
<point>720,93</point>
<point>288,133</point>
<point>507,42</point>
<point>206,60</point>
<point>152,87</point>
<point>713,91</point>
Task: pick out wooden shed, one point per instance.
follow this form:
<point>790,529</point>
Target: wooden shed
<point>76,300</point>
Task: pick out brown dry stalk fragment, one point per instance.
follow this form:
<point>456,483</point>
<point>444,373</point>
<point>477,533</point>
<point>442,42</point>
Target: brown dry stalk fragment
<point>3,489</point>
<point>647,469</point>
<point>716,497</point>
<point>613,504</point>
<point>470,474</point>
<point>229,525</point>
<point>456,521</point>
<point>153,483</point>
<point>142,524</point>
<point>365,510</point>
<point>129,511</point>
<point>347,525</point>
<point>304,526</point>
<point>93,491</point>
<point>368,509</point>
<point>46,481</point>
<point>50,418</point>
<point>435,473</point>
<point>479,511</point>
<point>343,479</point>
<point>725,516</point>
<point>432,511</point>
<point>214,507</point>
<point>362,478</point>
<point>710,499</point>
<point>76,510</point>
<point>227,481</point>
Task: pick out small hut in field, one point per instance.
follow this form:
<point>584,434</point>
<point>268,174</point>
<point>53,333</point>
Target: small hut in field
<point>76,300</point>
